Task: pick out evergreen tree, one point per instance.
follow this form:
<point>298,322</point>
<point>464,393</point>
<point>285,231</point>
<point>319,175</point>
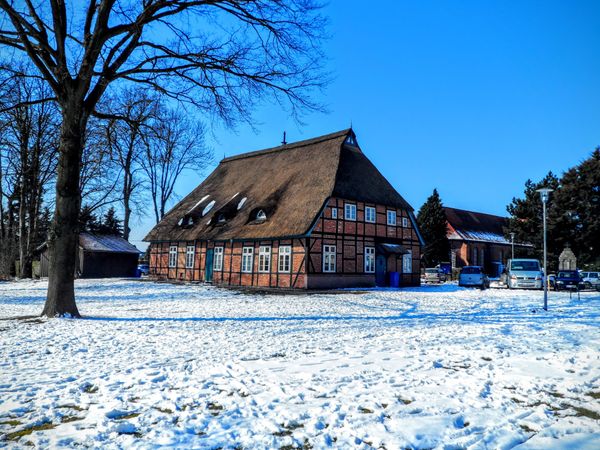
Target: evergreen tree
<point>432,224</point>
<point>111,224</point>
<point>526,220</point>
<point>577,211</point>
<point>88,221</point>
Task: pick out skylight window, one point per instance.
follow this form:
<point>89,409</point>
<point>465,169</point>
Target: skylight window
<point>261,215</point>
<point>208,207</point>
<point>241,203</point>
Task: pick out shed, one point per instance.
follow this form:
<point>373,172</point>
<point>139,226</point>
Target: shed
<point>100,256</point>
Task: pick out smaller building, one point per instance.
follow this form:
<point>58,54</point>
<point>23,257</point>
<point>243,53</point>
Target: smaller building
<point>100,256</point>
<point>567,260</point>
<point>477,239</point>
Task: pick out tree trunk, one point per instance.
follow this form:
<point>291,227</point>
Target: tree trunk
<point>64,234</point>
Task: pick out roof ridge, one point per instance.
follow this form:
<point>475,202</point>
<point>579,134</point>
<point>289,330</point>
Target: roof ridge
<point>474,212</point>
<point>293,145</point>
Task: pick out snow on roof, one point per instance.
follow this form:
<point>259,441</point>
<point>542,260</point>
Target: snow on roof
<point>106,243</point>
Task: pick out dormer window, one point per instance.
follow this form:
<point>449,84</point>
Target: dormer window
<point>261,215</point>
<point>221,218</point>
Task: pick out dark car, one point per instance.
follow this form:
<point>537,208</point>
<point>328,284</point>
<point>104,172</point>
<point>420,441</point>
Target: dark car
<point>144,269</point>
<point>568,279</point>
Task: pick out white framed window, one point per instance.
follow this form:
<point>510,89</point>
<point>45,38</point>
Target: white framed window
<point>264,258</point>
<point>370,214</point>
<point>370,259</point>
<point>391,217</point>
<point>405,222</point>
<point>407,262</point>
<point>329,258</point>
<point>334,213</point>
<point>285,258</point>
<point>350,211</point>
<point>173,256</point>
<point>218,261</point>
<point>190,250</point>
<point>247,259</point>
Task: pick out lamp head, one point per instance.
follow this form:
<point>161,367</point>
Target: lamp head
<point>544,194</point>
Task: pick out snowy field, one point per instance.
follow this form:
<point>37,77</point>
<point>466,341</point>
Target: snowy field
<point>188,366</point>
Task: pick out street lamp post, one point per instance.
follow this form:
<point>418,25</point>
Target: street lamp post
<point>512,243</point>
<point>545,194</point>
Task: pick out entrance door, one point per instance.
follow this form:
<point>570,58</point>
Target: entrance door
<point>208,269</point>
<point>380,269</point>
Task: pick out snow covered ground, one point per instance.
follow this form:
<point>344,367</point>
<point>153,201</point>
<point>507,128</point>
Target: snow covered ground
<point>191,366</point>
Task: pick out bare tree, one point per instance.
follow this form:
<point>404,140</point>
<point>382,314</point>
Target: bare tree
<point>126,138</point>
<point>30,139</point>
<point>221,55</point>
<point>176,145</point>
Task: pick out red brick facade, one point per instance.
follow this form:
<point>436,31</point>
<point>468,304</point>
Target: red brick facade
<point>350,237</point>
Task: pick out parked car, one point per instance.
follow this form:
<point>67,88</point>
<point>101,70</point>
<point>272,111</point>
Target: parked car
<point>434,275</point>
<point>591,279</point>
<point>568,279</point>
<point>473,276</point>
<point>524,273</point>
<point>144,269</point>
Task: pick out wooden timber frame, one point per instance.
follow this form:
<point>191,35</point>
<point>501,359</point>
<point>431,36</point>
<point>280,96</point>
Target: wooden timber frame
<point>350,237</point>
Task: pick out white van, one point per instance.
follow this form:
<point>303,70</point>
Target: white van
<point>524,274</point>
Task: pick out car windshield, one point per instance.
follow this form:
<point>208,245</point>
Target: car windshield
<point>431,271</point>
<point>567,274</point>
<point>525,265</point>
<point>470,270</point>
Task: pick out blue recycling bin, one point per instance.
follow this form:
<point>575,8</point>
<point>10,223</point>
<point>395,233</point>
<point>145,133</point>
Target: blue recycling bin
<point>394,279</point>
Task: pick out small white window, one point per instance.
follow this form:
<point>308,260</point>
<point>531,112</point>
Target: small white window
<point>407,262</point>
<point>218,262</point>
<point>370,259</point>
<point>391,217</point>
<point>285,257</point>
<point>404,222</point>
<point>334,213</point>
<point>370,214</point>
<point>189,256</point>
<point>264,259</point>
<point>350,211</point>
<point>329,258</point>
<point>173,256</point>
<point>208,207</point>
<point>247,259</point>
<point>261,215</point>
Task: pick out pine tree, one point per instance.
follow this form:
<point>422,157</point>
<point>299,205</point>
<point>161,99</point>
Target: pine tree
<point>526,220</point>
<point>577,211</point>
<point>111,224</point>
<point>88,221</point>
<point>432,224</point>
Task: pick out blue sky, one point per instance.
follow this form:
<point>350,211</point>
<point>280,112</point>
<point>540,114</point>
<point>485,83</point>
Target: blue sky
<point>469,97</point>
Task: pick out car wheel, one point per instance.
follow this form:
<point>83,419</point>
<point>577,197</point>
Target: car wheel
<point>587,285</point>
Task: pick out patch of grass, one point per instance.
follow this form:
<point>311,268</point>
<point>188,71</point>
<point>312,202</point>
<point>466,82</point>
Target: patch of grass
<point>288,429</point>
<point>384,405</point>
<point>73,407</point>
<point>486,358</point>
<point>163,410</point>
<point>11,422</point>
<point>403,400</point>
<point>127,416</point>
<point>516,400</point>
<point>556,394</point>
<point>595,395</point>
<point>214,408</point>
<point>68,419</point>
<point>584,412</point>
<point>364,410</point>
<point>526,429</point>
<point>16,435</point>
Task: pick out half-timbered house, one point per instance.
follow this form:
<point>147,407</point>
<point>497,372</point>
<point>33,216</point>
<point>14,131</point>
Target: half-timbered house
<point>312,214</point>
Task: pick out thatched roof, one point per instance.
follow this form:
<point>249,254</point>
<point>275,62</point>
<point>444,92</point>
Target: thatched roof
<point>289,183</point>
